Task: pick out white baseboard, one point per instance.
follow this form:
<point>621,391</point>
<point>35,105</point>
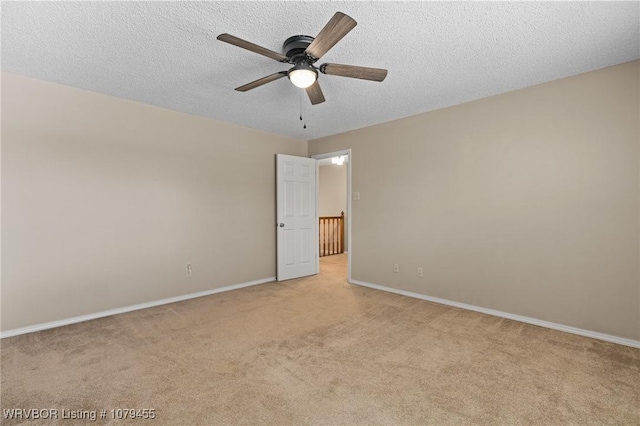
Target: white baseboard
<point>53,324</point>
<point>534,321</point>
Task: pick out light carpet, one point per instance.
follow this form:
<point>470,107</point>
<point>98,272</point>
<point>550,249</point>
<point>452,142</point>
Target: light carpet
<point>320,351</point>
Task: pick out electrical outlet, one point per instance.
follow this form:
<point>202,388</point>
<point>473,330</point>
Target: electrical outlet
<point>420,272</point>
<point>396,268</point>
<point>189,270</point>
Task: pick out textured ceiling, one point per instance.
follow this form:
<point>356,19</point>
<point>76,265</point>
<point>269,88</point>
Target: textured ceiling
<point>438,54</point>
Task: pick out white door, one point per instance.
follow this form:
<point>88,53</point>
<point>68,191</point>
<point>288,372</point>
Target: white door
<point>296,215</point>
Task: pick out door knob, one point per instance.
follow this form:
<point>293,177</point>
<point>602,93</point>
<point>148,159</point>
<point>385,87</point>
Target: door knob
<point>282,225</point>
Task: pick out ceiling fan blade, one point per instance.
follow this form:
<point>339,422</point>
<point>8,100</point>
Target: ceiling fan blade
<point>315,93</point>
<point>337,27</point>
<point>228,38</point>
<point>259,82</point>
<point>363,73</point>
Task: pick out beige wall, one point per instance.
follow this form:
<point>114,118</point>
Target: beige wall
<point>527,202</point>
<point>332,198</point>
<point>105,201</point>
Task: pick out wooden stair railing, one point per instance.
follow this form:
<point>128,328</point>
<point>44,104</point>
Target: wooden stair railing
<point>331,230</point>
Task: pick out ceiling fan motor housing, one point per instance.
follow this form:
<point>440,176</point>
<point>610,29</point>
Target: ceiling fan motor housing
<point>296,45</point>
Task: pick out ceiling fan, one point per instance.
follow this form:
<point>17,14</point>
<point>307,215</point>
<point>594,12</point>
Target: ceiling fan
<point>302,52</point>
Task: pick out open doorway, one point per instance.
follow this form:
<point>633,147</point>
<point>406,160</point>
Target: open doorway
<point>334,208</point>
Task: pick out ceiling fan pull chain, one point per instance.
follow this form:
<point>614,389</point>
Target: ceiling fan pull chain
<point>300,105</point>
<point>304,124</point>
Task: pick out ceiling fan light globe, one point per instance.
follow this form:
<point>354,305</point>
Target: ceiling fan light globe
<point>303,78</point>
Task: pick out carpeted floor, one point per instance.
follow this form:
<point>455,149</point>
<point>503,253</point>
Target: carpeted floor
<point>320,351</point>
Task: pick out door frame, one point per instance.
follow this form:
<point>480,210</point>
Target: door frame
<point>346,152</point>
